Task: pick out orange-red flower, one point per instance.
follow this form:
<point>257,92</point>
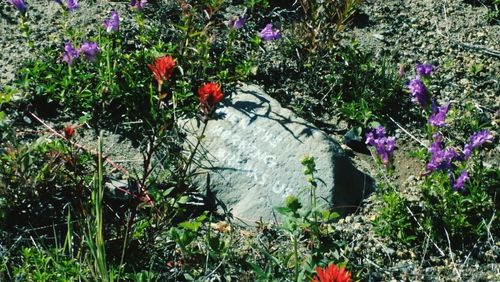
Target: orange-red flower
<point>69,132</point>
<point>210,94</point>
<point>163,68</point>
<point>332,273</point>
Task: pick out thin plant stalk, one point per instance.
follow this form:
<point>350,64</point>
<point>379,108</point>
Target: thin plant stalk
<point>296,258</point>
<point>95,236</point>
<point>198,141</point>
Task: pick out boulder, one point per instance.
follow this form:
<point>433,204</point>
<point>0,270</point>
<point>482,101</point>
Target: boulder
<point>250,159</point>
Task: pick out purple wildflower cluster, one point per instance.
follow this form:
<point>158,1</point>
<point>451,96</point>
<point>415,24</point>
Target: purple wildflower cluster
<point>475,141</point>
<point>418,92</point>
<point>138,4</point>
<point>70,53</point>
<point>438,115</point>
<point>424,69</point>
<point>268,34</point>
<point>442,159</point>
<point>71,5</point>
<point>238,22</point>
<point>19,5</point>
<point>460,182</point>
<point>383,145</point>
<point>113,23</point>
<point>89,50</point>
<point>417,87</point>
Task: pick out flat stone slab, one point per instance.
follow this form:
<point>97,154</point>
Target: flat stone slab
<point>251,158</point>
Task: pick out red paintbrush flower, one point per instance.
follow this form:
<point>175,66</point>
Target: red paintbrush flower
<point>69,132</point>
<point>332,273</point>
<point>210,94</point>
<point>163,68</point>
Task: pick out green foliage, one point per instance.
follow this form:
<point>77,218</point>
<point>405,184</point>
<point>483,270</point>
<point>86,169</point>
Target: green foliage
<point>118,86</point>
<point>342,82</point>
<point>95,235</point>
<point>493,15</point>
<point>39,178</point>
<point>53,265</point>
<point>257,4</point>
<point>186,233</point>
<point>311,224</point>
<point>466,217</point>
<point>460,217</point>
<point>5,97</point>
<point>394,220</point>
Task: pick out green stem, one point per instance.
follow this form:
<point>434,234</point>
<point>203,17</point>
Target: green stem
<point>190,160</point>
<point>296,255</point>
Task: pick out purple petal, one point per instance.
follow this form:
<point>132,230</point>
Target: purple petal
<point>424,69</point>
<point>112,24</point>
<point>70,53</point>
<point>268,33</point>
<point>460,182</point>
<point>19,5</point>
<point>418,92</point>
<point>239,23</point>
<point>138,4</point>
<point>72,5</point>
<point>90,50</point>
<point>438,116</point>
<point>480,137</point>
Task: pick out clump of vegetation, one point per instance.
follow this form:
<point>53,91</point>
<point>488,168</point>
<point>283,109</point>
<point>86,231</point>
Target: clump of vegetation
<point>459,198</point>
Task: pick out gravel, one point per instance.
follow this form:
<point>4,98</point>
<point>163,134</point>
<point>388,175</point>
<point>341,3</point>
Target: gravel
<point>453,35</point>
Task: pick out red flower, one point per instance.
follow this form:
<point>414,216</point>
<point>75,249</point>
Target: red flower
<point>162,68</point>
<point>69,132</point>
<point>332,273</point>
<point>210,94</point>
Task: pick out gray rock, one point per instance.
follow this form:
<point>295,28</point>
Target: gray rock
<point>251,158</point>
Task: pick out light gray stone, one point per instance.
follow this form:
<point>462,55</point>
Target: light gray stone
<point>251,158</point>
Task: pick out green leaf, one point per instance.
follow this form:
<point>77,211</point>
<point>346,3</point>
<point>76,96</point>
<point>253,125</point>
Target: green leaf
<point>283,210</point>
<point>193,226</point>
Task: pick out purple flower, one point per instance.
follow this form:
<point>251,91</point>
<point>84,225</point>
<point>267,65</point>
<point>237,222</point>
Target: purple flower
<point>138,4</point>
<point>19,5</point>
<point>467,151</point>
<point>440,159</point>
<point>460,182</point>
<point>477,140</point>
<point>238,22</point>
<point>390,143</point>
<point>438,114</point>
<point>90,50</point>
<point>424,69</point>
<point>374,134</point>
<point>383,145</point>
<point>59,2</point>
<point>113,23</point>
<point>70,53</point>
<point>418,92</point>
<point>268,33</point>
<point>72,5</point>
